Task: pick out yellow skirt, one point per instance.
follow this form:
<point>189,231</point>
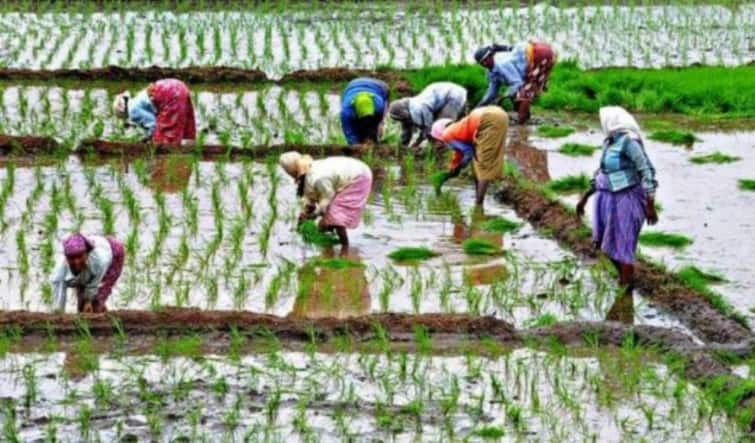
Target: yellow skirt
<point>490,142</point>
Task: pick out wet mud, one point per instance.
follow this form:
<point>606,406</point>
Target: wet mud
<point>183,320</point>
<point>198,74</point>
<point>206,74</point>
<point>107,148</point>
<point>27,145</point>
<point>689,306</point>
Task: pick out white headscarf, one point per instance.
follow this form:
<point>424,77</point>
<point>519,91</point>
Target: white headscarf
<point>615,119</point>
<point>295,164</point>
<point>120,106</point>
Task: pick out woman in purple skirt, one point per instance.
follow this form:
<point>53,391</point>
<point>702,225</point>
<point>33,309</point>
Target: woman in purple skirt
<point>625,186</point>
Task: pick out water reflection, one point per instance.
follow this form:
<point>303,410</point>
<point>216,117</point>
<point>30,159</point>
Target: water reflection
<point>169,174</point>
<point>622,309</point>
<point>530,161</point>
<point>331,287</point>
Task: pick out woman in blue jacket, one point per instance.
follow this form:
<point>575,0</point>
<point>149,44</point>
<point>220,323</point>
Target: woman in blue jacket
<point>524,72</point>
<point>363,107</point>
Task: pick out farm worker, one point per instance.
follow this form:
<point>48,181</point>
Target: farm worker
<point>335,189</point>
<point>478,138</point>
<point>625,184</point>
<point>436,101</point>
<point>524,71</point>
<point>363,107</point>
<point>92,266</point>
<point>163,109</point>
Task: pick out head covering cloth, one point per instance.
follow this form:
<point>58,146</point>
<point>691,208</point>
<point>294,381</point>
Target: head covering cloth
<point>439,126</point>
<point>76,244</point>
<point>615,120</point>
<point>295,164</point>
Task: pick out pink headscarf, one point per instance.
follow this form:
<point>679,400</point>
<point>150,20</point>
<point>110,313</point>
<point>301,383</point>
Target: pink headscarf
<point>76,244</point>
<point>438,127</point>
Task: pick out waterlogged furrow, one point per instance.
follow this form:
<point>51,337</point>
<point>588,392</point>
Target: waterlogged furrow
<point>222,235</point>
<point>322,397</point>
<point>280,42</point>
<point>241,118</point>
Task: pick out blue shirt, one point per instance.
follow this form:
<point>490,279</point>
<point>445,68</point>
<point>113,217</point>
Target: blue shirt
<point>379,92</point>
<point>509,69</point>
<point>464,148</point>
<point>625,164</point>
<point>142,113</point>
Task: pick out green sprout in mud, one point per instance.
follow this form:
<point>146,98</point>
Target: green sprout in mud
<point>578,149</point>
<point>747,184</point>
<point>569,184</point>
<point>674,137</point>
<point>480,247</point>
<point>664,239</point>
<point>716,157</point>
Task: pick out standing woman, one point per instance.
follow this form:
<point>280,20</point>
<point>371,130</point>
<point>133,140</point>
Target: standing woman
<point>525,72</point>
<point>625,184</point>
<point>363,107</point>
<point>479,138</point>
<point>164,110</point>
<point>438,100</point>
<point>92,266</point>
<point>335,189</point>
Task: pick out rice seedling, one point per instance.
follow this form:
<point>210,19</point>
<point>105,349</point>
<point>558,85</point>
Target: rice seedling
<point>577,149</point>
<point>549,131</point>
<point>664,239</point>
<point>412,254</point>
<point>675,137</point>
<point>311,234</point>
<point>500,225</point>
<point>747,184</point>
<point>716,157</point>
<point>569,184</point>
<point>480,247</point>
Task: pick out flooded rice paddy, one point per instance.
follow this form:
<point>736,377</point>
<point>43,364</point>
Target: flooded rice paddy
<point>310,396</point>
<point>283,41</point>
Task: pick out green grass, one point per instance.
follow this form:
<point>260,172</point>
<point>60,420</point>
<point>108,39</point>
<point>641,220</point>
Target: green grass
<point>664,239</point>
<point>569,185</point>
<point>335,263</point>
<point>716,157</point>
<point>550,131</point>
<point>668,90</point>
<point>490,433</point>
<point>747,184</point>
<point>311,234</point>
<point>476,246</point>
<point>698,278</point>
<point>412,254</point>
<point>674,137</point>
<point>577,149</point>
<point>500,225</point>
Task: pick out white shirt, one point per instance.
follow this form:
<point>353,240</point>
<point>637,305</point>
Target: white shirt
<point>329,176</point>
<point>89,278</point>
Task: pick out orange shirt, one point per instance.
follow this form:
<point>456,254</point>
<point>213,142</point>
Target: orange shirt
<point>465,129</point>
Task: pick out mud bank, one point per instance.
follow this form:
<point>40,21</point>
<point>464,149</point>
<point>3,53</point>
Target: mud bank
<point>107,148</point>
<point>206,74</point>
<point>182,320</point>
<point>664,289</point>
<point>12,145</point>
<point>192,74</point>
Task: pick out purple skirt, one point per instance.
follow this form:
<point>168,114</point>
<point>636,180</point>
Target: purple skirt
<point>618,219</point>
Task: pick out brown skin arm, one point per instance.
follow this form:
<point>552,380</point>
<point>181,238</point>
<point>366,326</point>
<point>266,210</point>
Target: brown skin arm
<point>523,110</point>
<point>583,201</point>
<point>650,214</point>
<point>307,213</point>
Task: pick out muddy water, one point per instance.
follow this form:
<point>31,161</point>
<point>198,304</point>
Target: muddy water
<point>206,234</point>
<point>369,37</point>
<point>526,394</point>
<point>702,202</point>
<point>243,117</point>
